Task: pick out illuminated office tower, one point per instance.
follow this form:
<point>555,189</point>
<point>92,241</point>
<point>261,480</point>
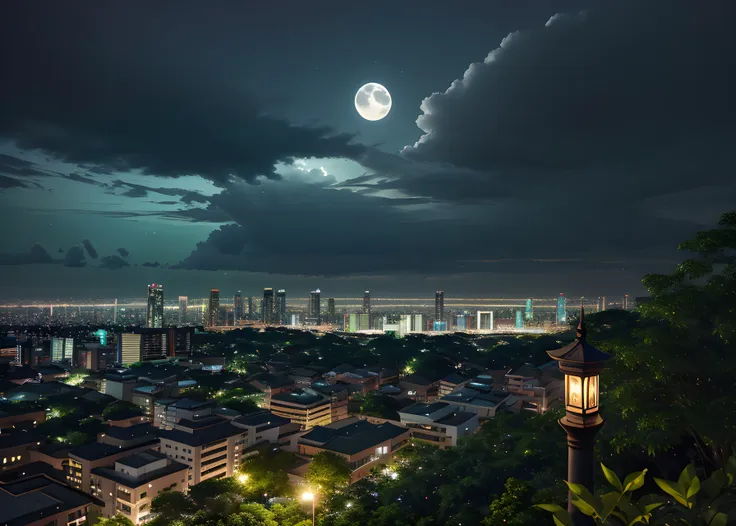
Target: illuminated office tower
<point>603,303</point>
<point>462,322</point>
<point>529,313</point>
<point>484,320</point>
<point>314,306</point>
<point>267,306</point>
<point>250,308</point>
<point>561,313</point>
<point>439,306</point>
<point>213,310</point>
<point>183,302</point>
<point>439,326</point>
<point>237,308</point>
<point>367,303</point>
<point>281,306</point>
<point>61,349</point>
<point>155,309</point>
<point>331,309</point>
<point>626,302</point>
<point>519,319</point>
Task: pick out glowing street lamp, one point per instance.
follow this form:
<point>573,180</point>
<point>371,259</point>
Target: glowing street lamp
<point>307,496</point>
<point>581,363</point>
<point>243,478</point>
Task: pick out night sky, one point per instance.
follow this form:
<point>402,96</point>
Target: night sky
<point>533,147</point>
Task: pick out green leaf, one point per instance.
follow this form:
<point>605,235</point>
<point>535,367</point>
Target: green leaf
<point>637,519</point>
<point>687,476</point>
<point>673,489</point>
<point>713,485</point>
<point>694,488</point>
<point>561,522</point>
<point>552,508</point>
<point>609,501</point>
<point>719,519</point>
<point>588,508</point>
<point>635,480</point>
<point>612,478</point>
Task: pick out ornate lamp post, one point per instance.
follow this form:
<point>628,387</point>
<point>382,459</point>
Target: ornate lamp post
<point>581,363</point>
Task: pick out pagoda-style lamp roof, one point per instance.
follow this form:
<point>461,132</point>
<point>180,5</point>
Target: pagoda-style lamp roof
<point>580,352</point>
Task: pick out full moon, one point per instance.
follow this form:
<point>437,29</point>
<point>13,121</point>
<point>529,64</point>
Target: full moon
<point>373,102</point>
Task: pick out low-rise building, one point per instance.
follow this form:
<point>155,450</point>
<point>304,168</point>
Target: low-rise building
<point>538,388</point>
<point>363,445</point>
<point>485,405</point>
<point>305,407</point>
<point>129,487</point>
<point>265,426</point>
<point>83,459</point>
<point>168,412</point>
<point>438,423</point>
<point>451,382</point>
<point>271,385</point>
<point>339,395</point>
<point>42,501</point>
<point>419,388</point>
<point>130,436</point>
<point>21,419</point>
<point>211,447</point>
<point>15,448</point>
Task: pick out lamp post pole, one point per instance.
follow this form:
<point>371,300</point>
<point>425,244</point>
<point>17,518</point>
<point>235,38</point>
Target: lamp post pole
<point>581,364</point>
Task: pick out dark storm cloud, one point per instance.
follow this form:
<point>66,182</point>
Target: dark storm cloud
<point>75,257</point>
<point>75,176</point>
<point>123,252</point>
<point>37,254</point>
<point>91,252</point>
<point>12,182</point>
<point>113,263</point>
<point>153,264</point>
<point>139,190</point>
<point>114,98</point>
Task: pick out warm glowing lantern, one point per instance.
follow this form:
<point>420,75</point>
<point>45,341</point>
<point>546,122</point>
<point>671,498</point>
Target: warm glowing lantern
<point>581,363</point>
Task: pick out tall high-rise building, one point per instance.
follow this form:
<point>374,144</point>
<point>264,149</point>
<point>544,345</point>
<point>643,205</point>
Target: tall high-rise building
<point>213,311</point>
<point>439,306</point>
<point>237,308</point>
<point>183,303</point>
<point>331,310</point>
<point>367,303</point>
<point>249,314</point>
<point>267,308</point>
<point>561,312</point>
<point>519,319</point>
<point>62,349</point>
<point>604,304</point>
<point>529,313</point>
<point>155,309</point>
<point>142,345</point>
<point>315,307</point>
<point>281,306</point>
<point>626,302</point>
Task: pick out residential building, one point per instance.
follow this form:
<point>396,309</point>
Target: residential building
<point>142,345</point>
<point>42,501</point>
<point>168,412</point>
<point>211,447</point>
<point>271,385</point>
<point>267,313</point>
<point>128,436</point>
<point>155,307</point>
<point>438,423</point>
<point>280,307</point>
<point>83,459</point>
<point>119,384</point>
<point>15,448</point>
<point>237,308</point>
<point>135,480</point>
<point>264,426</point>
<point>339,395</point>
<point>315,306</point>
<point>485,405</point>
<point>363,445</point>
<point>538,388</point>
<point>419,388</point>
<point>451,382</point>
<point>305,407</point>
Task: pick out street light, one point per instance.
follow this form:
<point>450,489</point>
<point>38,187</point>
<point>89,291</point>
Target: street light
<point>306,496</point>
<point>581,363</point>
<point>243,478</point>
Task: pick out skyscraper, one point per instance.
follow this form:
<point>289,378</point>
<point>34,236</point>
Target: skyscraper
<point>249,315</point>
<point>281,306</point>
<point>155,309</point>
<point>213,312</point>
<point>561,313</point>
<point>267,310</point>
<point>183,301</point>
<point>439,306</point>
<point>529,313</point>
<point>626,302</point>
<point>331,310</point>
<point>367,303</point>
<point>314,306</point>
<point>237,308</point>
<point>519,319</point>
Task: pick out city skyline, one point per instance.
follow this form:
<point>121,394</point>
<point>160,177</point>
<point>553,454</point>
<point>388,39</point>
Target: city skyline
<point>195,164</point>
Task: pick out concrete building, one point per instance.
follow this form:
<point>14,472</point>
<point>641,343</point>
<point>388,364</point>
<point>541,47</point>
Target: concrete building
<point>211,447</point>
<point>305,407</point>
<point>168,412</point>
<point>363,445</point>
<point>438,423</point>
<point>451,382</point>
<point>42,501</point>
<point>129,487</point>
<point>83,459</point>
<point>419,388</point>
<point>485,405</point>
<point>155,307</point>
<point>538,388</point>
